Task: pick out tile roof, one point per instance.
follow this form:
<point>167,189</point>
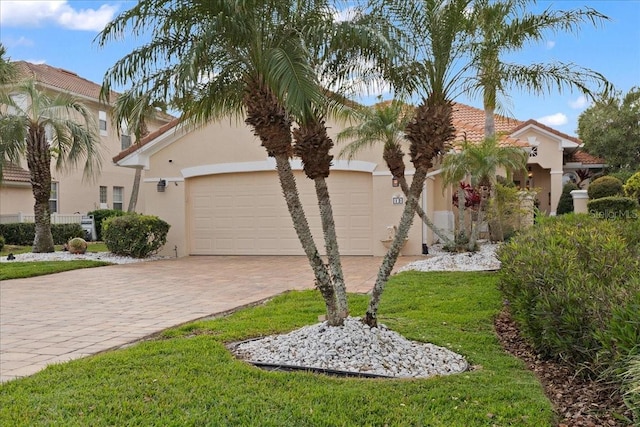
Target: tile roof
<point>584,158</point>
<point>14,173</point>
<point>548,129</point>
<point>147,139</point>
<point>61,79</point>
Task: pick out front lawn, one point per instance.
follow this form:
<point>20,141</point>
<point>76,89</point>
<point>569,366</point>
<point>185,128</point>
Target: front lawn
<point>21,270</point>
<point>187,377</point>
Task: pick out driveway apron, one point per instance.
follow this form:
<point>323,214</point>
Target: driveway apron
<point>65,316</point>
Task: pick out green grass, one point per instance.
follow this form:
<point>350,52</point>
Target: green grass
<point>187,377</point>
<point>21,270</point>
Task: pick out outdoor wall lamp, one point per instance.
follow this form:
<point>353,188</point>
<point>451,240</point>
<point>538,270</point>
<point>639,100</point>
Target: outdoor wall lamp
<point>395,182</point>
<point>162,184</point>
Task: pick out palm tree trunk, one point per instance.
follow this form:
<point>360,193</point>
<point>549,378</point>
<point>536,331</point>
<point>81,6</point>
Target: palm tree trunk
<point>460,235</point>
<point>301,225</point>
<point>39,162</point>
<point>489,121</point>
<point>423,215</point>
<point>371,316</point>
<point>331,245</point>
<point>133,200</point>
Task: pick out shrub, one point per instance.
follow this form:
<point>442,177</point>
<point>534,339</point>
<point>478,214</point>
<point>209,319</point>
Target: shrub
<point>605,186</point>
<point>135,235</point>
<point>632,187</point>
<point>77,245</point>
<point>613,207</point>
<point>622,175</point>
<point>23,233</point>
<point>631,378</point>
<point>100,215</point>
<point>566,280</point>
<point>1,243</point>
<point>565,205</point>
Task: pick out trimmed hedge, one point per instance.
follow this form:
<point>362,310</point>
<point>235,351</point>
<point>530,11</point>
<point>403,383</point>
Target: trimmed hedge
<point>614,207</point>
<point>135,235</point>
<point>606,186</point>
<point>23,233</point>
<point>102,214</point>
<point>632,187</point>
<point>1,243</point>
<point>565,204</point>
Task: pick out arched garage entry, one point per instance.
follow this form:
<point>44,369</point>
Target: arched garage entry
<point>245,213</point>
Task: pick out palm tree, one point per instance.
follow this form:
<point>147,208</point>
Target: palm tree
<point>135,110</point>
<point>385,123</point>
<point>246,59</point>
<point>481,162</point>
<point>42,129</point>
<point>7,69</point>
<point>435,31</point>
<point>499,27</point>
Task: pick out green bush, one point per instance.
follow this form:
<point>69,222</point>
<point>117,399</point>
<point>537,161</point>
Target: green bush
<point>1,243</point>
<point>605,186</point>
<point>631,379</point>
<point>102,214</point>
<point>77,245</point>
<point>613,208</point>
<point>23,233</point>
<point>565,279</point>
<point>622,175</point>
<point>565,205</point>
<point>632,187</point>
<point>135,235</point>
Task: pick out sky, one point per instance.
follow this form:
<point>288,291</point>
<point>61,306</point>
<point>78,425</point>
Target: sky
<point>62,33</point>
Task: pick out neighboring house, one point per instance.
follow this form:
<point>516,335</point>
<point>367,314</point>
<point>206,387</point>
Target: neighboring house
<point>221,195</point>
<point>70,191</point>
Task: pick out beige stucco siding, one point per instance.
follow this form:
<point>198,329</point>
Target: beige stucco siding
<point>16,198</point>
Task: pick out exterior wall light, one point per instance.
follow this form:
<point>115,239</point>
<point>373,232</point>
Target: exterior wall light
<point>395,182</point>
<point>162,184</point>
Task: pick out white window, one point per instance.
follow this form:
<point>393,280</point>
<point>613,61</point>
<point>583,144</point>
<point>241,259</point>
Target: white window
<point>125,137</point>
<point>53,200</point>
<point>102,120</point>
<point>103,194</point>
<point>118,197</point>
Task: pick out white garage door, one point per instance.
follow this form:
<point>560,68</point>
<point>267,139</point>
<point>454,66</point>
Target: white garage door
<point>246,214</point>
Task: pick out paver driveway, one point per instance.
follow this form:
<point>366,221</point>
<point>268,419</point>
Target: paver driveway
<point>56,318</point>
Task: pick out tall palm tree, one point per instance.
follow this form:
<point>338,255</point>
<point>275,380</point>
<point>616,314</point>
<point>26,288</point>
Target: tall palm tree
<point>135,110</point>
<point>385,123</point>
<point>436,32</point>
<point>42,129</point>
<point>481,162</point>
<point>499,27</point>
<point>247,59</point>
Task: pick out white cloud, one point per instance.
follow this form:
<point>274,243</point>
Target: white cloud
<point>579,103</point>
<point>10,42</point>
<point>30,13</point>
<point>557,119</point>
<point>346,14</point>
<point>551,44</point>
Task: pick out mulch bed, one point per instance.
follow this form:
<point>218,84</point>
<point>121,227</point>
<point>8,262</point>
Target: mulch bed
<point>578,402</point>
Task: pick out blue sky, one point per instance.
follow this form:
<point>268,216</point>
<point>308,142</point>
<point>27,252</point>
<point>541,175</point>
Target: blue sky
<point>61,34</point>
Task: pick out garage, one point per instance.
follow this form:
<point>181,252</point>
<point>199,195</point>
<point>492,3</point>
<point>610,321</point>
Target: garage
<point>245,214</point>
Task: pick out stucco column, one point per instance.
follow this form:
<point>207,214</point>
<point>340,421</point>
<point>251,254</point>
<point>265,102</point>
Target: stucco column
<point>580,199</point>
<point>556,190</point>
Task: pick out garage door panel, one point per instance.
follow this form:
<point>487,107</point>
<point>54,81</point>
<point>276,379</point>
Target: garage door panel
<point>246,214</point>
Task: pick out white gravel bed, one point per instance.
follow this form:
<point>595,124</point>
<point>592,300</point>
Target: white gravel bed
<point>440,260</point>
<point>354,347</point>
<point>66,256</point>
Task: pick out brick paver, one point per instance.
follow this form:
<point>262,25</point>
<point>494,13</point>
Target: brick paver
<point>57,318</point>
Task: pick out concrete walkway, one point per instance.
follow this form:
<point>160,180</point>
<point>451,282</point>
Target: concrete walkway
<point>56,318</point>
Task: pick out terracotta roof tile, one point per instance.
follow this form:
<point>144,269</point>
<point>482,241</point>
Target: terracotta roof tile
<point>147,139</point>
<point>14,173</point>
<point>548,129</point>
<point>584,158</point>
<point>61,79</point>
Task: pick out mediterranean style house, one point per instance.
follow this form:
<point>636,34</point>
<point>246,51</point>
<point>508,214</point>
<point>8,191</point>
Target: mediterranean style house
<point>220,192</point>
<point>71,193</point>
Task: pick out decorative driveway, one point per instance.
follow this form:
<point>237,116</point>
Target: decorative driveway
<point>65,316</point>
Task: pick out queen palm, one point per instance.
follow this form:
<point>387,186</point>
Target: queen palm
<point>435,29</point>
<point>481,162</point>
<point>499,27</point>
<point>7,69</point>
<point>43,129</point>
<point>385,123</point>
<point>246,59</point>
